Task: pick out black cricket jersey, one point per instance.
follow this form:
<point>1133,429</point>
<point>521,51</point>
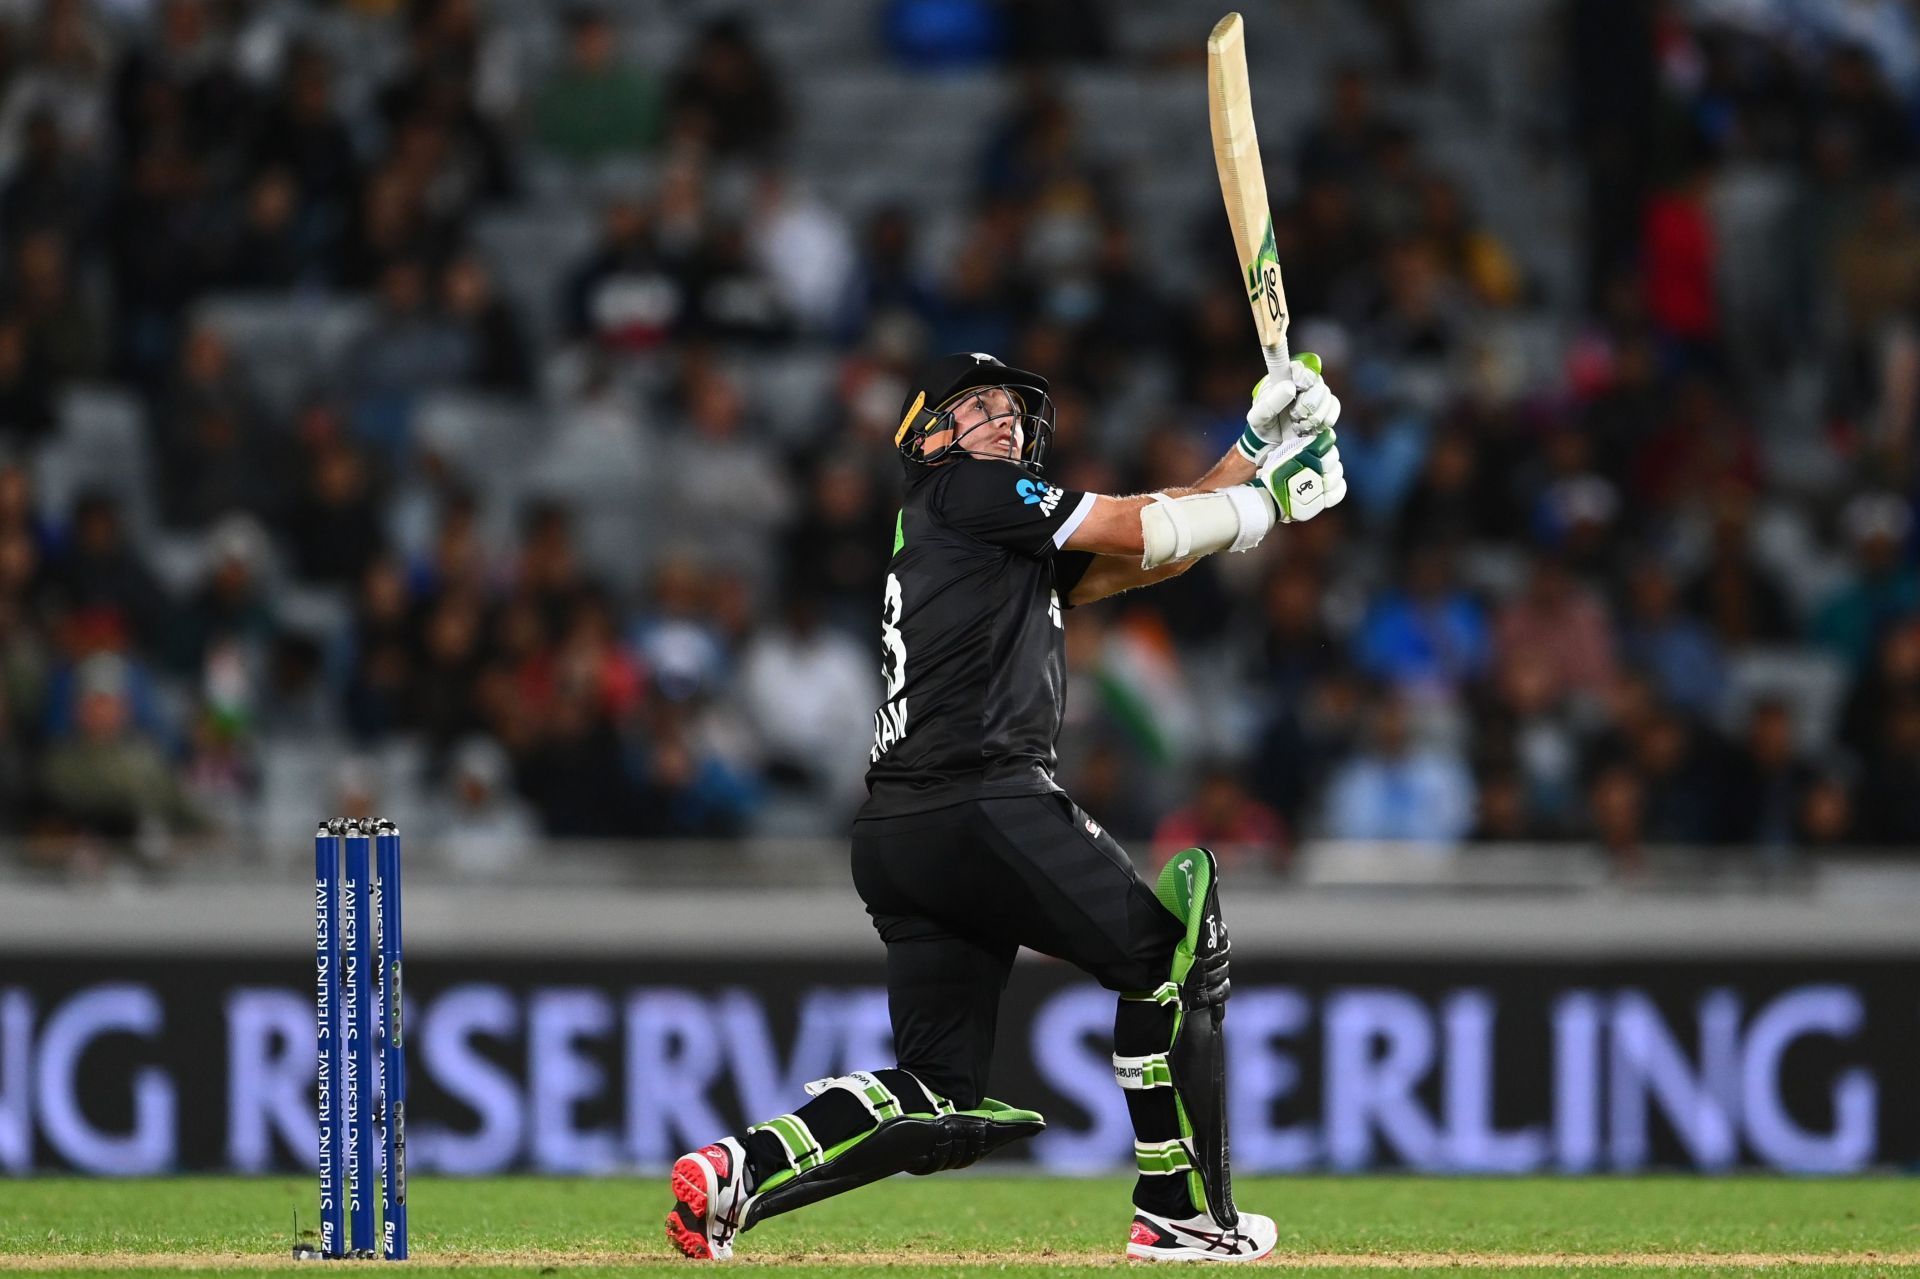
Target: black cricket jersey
<point>972,647</point>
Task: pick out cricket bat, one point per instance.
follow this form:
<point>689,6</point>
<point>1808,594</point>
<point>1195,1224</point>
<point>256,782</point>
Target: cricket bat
<point>1243,185</point>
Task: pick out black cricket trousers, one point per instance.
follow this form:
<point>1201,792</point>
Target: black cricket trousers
<point>956,891</point>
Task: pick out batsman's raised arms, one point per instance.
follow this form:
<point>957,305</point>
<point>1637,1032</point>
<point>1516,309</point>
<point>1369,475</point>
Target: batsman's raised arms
<point>1243,185</point>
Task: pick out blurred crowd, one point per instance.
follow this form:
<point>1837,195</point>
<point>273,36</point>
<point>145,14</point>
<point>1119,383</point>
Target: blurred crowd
<point>1657,588</point>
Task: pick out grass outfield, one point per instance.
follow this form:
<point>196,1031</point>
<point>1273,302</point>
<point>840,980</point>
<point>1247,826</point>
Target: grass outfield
<point>999,1226</point>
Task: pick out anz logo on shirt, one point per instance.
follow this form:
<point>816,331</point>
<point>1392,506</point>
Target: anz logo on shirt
<point>1038,493</point>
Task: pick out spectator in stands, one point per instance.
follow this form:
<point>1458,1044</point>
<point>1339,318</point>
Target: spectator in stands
<point>1559,616</point>
<point>1467,250</point>
<point>1884,587</point>
<point>729,491</point>
<point>1738,595</point>
<point>480,828</point>
<point>496,355</point>
<point>596,106</point>
<point>1704,452</point>
<point>631,292</point>
<point>1526,729</point>
<point>732,298</point>
<point>1854,103</point>
<point>445,106</point>
<point>1348,134</point>
<point>547,570</point>
<point>407,350</point>
<point>304,136</point>
<point>802,247</point>
<point>23,676</point>
<point>1242,832</point>
<point>50,188</point>
<point>838,547</point>
<point>1675,648</point>
<point>27,413</point>
<point>1767,783</point>
<point>1330,246</point>
<point>266,252</point>
<point>1678,263</point>
<point>1429,635</point>
<point>154,231</point>
<point>100,580</point>
<point>376,693</point>
<point>391,223</point>
<point>982,298</point>
<point>1684,797</point>
<point>888,280</point>
<point>1415,315</point>
<point>63,79</point>
<point>1500,813</point>
<point>1893,678</point>
<point>1397,790</point>
<point>1616,804</point>
<point>726,94</point>
<point>943,35</point>
<point>1574,507</point>
<point>443,705</point>
<point>232,614</point>
<point>334,527</point>
<point>180,83</point>
<point>107,778</point>
<point>1452,502</point>
<point>1826,817</point>
<point>1292,657</point>
<point>809,692</point>
<point>1889,796</point>
<point>64,335</point>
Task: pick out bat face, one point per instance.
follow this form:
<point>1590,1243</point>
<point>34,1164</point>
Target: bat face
<point>1243,184</point>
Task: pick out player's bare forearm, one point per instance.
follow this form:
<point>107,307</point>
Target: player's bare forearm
<point>1233,468</point>
<point>1113,527</point>
<point>1112,574</point>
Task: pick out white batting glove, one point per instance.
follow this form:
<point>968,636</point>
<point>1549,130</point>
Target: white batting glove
<point>1299,405</point>
<point>1304,477</point>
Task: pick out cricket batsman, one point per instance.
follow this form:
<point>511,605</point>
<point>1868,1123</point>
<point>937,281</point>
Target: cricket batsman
<point>966,849</point>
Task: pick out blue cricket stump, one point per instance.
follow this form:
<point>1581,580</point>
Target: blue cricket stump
<point>356,945</point>
<point>327,1031</point>
<point>393,1241</point>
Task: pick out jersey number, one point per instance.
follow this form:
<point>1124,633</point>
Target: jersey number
<point>890,721</point>
<point>893,657</point>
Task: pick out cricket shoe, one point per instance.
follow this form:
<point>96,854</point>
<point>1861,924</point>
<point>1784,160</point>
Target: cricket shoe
<point>709,1196</point>
<point>1201,1238</point>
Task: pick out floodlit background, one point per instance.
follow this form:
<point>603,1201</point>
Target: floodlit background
<point>478,413</point>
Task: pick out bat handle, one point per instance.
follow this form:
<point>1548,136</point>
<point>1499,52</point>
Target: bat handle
<point>1277,358</point>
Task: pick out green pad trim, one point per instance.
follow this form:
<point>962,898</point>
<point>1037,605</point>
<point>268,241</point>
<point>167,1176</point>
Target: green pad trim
<point>1001,1112</point>
<point>803,1152</point>
<point>1183,887</point>
<point>1161,1158</point>
<point>1165,993</point>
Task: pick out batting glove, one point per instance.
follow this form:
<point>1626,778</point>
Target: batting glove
<point>1304,477</point>
<point>1296,406</point>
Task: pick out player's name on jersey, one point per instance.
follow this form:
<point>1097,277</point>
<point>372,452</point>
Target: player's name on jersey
<point>889,726</point>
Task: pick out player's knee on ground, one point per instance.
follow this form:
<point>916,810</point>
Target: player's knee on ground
<point>865,1126</point>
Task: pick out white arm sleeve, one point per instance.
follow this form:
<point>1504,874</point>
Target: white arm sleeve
<point>1178,528</point>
